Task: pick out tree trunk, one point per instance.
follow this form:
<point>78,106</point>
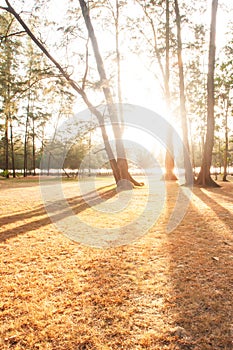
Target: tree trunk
<point>122,163</point>
<point>7,114</point>
<point>25,153</point>
<point>12,149</point>
<point>225,162</point>
<point>169,163</point>
<point>169,158</point>
<point>183,113</point>
<point>6,143</point>
<point>33,148</point>
<point>204,177</point>
<point>25,150</point>
<point>118,60</point>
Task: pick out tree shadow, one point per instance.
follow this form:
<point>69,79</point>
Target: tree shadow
<point>220,211</point>
<point>224,191</point>
<point>60,211</point>
<point>202,277</point>
<point>131,295</point>
<point>127,299</point>
<point>111,282</point>
<point>197,303</point>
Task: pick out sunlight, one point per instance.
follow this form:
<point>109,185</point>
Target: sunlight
<point>213,221</point>
<point>101,246</point>
<point>142,138</point>
<point>132,136</point>
<point>139,86</point>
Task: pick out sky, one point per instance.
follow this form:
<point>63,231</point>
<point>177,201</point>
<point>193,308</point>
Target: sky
<point>139,85</point>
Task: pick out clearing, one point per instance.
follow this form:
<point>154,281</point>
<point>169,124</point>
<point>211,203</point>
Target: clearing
<point>163,291</point>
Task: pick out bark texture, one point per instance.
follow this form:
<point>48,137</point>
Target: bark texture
<point>204,178</point>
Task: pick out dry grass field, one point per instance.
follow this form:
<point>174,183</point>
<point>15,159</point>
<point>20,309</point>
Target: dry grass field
<point>163,291</point>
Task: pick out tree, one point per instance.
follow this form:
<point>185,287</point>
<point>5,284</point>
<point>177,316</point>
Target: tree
<point>169,158</point>
<point>204,177</point>
<point>226,148</point>
<point>119,165</point>
<point>116,17</point>
<point>12,149</point>
<point>224,88</point>
<point>182,94</point>
<point>35,73</point>
<point>9,86</point>
<point>160,39</point>
<point>224,102</point>
<point>195,89</point>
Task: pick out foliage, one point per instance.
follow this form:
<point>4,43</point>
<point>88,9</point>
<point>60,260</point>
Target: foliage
<point>142,29</point>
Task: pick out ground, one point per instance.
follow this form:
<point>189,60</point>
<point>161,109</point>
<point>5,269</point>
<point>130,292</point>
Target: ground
<point>163,291</point>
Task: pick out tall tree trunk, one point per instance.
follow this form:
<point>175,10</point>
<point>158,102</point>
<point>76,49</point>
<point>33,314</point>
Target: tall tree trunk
<point>33,147</point>
<point>53,139</point>
<point>225,162</point>
<point>204,177</point>
<point>122,163</point>
<point>192,150</point>
<point>25,153</point>
<point>7,112</point>
<point>6,144</point>
<point>12,149</point>
<point>118,60</point>
<point>169,158</point>
<point>50,154</point>
<point>188,177</point>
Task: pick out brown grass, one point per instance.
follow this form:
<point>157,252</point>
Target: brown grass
<point>164,291</point>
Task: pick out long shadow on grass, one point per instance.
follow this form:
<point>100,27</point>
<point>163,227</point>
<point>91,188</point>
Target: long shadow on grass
<point>111,285</point>
<point>225,191</point>
<point>202,278</point>
<point>225,215</point>
<point>126,300</point>
<point>77,204</point>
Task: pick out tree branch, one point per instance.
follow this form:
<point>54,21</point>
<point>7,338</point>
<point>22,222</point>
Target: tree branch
<point>12,34</point>
<point>155,45</point>
<point>42,47</point>
<point>73,84</point>
<point>87,66</point>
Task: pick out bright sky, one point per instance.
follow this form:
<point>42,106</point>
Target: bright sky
<point>139,85</point>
